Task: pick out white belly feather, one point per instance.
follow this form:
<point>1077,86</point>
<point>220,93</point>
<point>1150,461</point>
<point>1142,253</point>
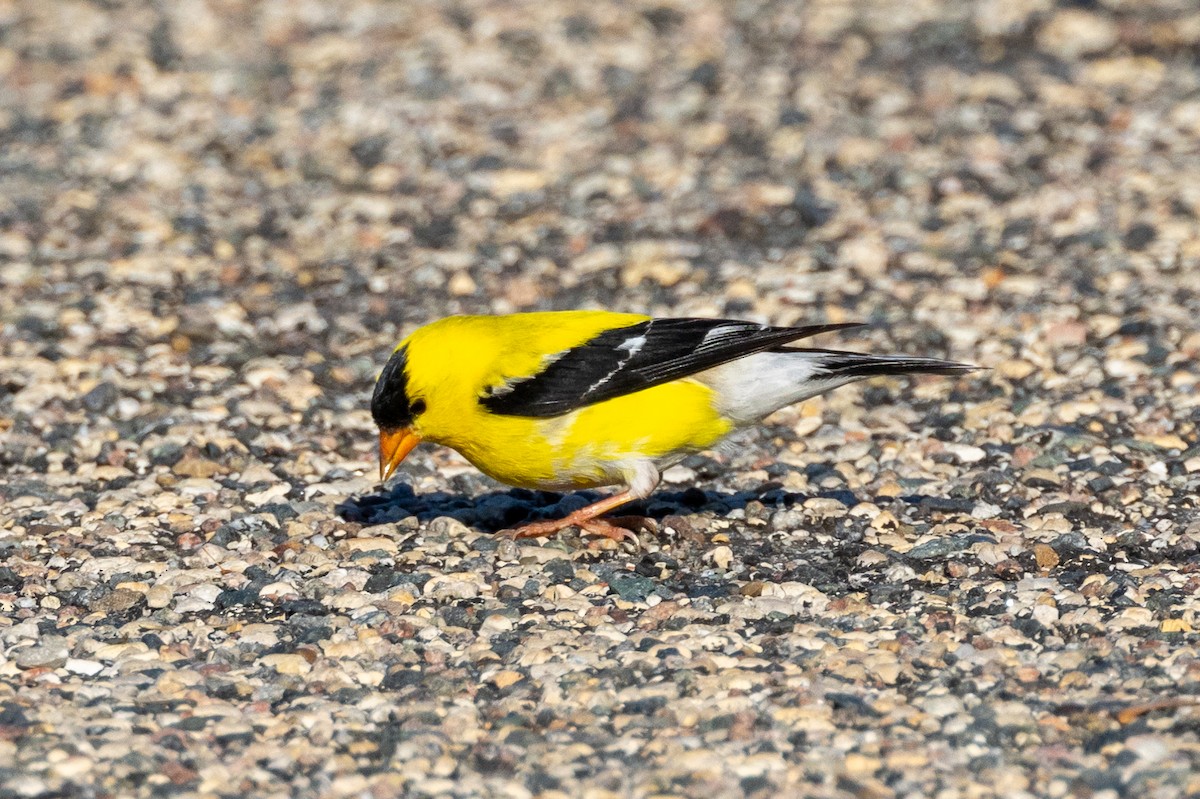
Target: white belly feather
<point>753,387</point>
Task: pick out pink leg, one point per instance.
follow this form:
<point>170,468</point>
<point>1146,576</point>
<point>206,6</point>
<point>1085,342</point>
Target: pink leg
<point>585,519</point>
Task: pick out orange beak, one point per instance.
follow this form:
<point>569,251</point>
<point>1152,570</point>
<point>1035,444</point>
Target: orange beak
<point>394,446</point>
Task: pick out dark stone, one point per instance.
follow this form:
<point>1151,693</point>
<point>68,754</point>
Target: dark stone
<point>164,52</point>
<point>664,19</point>
<point>232,597</point>
<point>503,643</point>
<point>653,565</point>
<point>793,117</point>
<point>618,80</point>
<point>381,581</point>
<point>757,784</point>
<point>709,588</point>
<point>369,152</point>
<point>1139,236</point>
<point>459,17</point>
<point>539,782</point>
<point>708,76</point>
<point>559,570</point>
<point>505,132</point>
<point>438,234</point>
<point>706,468</point>
<point>491,758</point>
<point>487,163</point>
<point>10,580</point>
<point>814,212</point>
<point>309,607</point>
<point>486,543</point>
<point>645,707</point>
<point>1017,234</point>
<point>947,505</point>
<point>457,615</point>
<point>401,677</point>
<point>387,577</point>
<point>1069,544</point>
<point>240,737</point>
<point>580,28</point>
<point>227,690</point>
<point>100,398</point>
<point>747,138</point>
<point>631,587</point>
<point>13,715</point>
<point>940,547</point>
<point>524,45</point>
<point>282,511</point>
<point>190,224</point>
<point>166,454</point>
<point>227,534</point>
<point>192,723</point>
<point>1030,628</point>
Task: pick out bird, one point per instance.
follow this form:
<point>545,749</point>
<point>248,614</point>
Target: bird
<point>569,400</point>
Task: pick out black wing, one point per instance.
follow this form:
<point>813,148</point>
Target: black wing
<point>628,359</point>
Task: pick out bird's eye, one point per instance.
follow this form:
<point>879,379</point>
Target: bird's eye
<point>418,406</point>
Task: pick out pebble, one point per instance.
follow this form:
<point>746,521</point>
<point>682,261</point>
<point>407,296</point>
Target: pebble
<point>48,654</point>
<point>506,678</point>
<point>939,547</point>
<point>1047,558</point>
<point>287,663</point>
<point>87,668</point>
<point>196,467</point>
<point>100,398</point>
<point>159,596</point>
<point>787,520</point>
<point>631,587</point>
<point>965,453</point>
<point>451,587</point>
<point>1071,33</point>
<point>721,557</point>
<point>121,599</point>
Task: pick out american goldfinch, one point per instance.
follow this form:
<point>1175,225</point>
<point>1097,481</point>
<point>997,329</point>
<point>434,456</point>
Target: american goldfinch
<point>578,399</point>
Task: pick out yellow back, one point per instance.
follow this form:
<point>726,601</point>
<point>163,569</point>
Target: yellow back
<point>481,351</point>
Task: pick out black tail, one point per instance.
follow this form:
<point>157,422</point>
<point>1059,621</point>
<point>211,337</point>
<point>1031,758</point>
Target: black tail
<point>857,364</point>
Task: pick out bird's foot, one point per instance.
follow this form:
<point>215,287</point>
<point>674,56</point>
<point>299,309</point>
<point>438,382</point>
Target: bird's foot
<point>605,528</point>
<point>621,528</point>
<point>586,519</point>
<point>637,524</point>
<point>536,529</point>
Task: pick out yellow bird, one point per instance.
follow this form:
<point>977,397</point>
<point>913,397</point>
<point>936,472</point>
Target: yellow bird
<point>565,400</point>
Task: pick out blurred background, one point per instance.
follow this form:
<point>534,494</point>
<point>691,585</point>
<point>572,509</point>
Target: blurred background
<point>206,183</point>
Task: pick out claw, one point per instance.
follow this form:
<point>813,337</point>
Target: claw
<point>616,529</point>
<point>604,529</point>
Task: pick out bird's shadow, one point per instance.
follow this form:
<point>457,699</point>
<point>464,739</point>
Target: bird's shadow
<point>498,510</point>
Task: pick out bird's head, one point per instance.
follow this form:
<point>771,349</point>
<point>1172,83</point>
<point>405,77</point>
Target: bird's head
<point>429,388</point>
<point>397,413</point>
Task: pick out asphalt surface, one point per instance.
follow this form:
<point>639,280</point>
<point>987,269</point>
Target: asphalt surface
<point>217,219</point>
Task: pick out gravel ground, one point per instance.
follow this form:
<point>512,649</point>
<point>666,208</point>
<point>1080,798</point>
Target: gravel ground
<point>217,218</point>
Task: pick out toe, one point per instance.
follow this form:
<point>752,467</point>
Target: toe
<point>533,530</point>
<point>606,530</point>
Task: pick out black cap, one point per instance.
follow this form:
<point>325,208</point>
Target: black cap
<point>390,405</point>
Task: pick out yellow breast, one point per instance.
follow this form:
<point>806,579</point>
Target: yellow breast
<point>596,445</point>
